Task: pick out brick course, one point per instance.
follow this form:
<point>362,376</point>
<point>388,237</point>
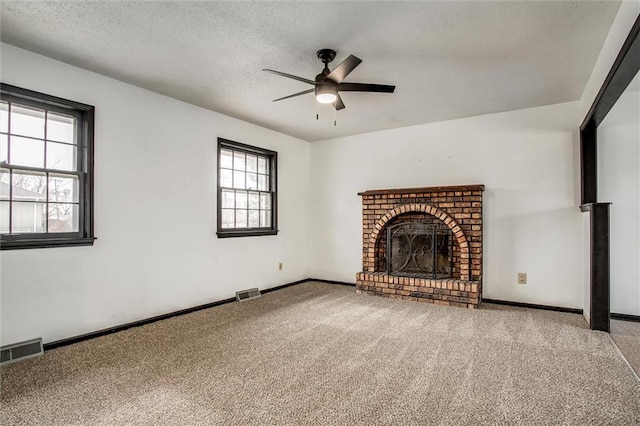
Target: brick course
<point>459,208</point>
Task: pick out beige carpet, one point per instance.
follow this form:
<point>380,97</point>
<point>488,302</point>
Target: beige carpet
<point>320,354</point>
<point>626,334</point>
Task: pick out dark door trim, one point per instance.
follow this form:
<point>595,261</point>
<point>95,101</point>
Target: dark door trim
<point>624,69</point>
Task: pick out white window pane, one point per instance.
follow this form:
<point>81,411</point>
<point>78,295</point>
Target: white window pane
<point>241,218</point>
<point>238,160</point>
<point>238,180</point>
<point>228,199</point>
<point>4,117</point>
<point>226,178</point>
<point>61,128</point>
<point>262,165</point>
<point>263,183</point>
<point>64,188</point>
<point>27,121</point>
<point>26,152</point>
<point>61,156</point>
<point>252,181</point>
<point>252,163</point>
<point>265,201</point>
<point>28,217</point>
<point>4,217</point>
<point>265,218</point>
<point>4,145</point>
<point>29,186</point>
<point>63,217</point>
<point>228,218</point>
<point>4,184</point>
<point>226,158</point>
<point>254,219</point>
<point>241,200</point>
<point>254,200</point>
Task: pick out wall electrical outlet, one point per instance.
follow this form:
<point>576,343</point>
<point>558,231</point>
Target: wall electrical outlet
<point>522,278</point>
<point>280,266</point>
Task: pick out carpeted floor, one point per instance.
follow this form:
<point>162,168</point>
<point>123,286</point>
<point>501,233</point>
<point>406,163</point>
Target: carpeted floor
<point>320,354</point>
<point>626,334</point>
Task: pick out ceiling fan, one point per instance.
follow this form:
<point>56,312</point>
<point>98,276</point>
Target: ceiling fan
<point>329,83</point>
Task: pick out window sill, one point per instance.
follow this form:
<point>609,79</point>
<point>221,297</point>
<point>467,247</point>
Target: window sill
<point>45,243</point>
<point>248,233</point>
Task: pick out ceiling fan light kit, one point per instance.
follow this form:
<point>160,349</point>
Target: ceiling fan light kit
<point>326,94</point>
<point>328,84</point>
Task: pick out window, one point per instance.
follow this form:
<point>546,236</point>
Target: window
<point>246,190</point>
<point>46,170</point>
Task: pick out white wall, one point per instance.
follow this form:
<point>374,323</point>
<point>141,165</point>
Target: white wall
<point>619,183</point>
<point>527,160</point>
<point>155,213</point>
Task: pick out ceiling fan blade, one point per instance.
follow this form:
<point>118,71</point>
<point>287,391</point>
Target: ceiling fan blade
<point>365,87</point>
<point>295,77</point>
<point>338,104</point>
<point>340,72</point>
<point>295,94</point>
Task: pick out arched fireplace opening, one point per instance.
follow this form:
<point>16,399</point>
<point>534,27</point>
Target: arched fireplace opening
<point>419,250</point>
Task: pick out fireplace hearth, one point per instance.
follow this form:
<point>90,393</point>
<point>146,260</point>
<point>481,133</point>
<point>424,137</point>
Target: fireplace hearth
<point>423,244</point>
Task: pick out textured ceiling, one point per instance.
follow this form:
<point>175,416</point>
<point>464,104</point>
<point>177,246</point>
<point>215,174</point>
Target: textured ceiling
<point>448,59</point>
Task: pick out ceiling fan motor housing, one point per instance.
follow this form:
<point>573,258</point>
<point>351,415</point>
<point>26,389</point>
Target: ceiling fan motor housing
<point>325,86</point>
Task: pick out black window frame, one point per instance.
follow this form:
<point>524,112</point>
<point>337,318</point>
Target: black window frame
<point>85,115</point>
<point>273,189</point>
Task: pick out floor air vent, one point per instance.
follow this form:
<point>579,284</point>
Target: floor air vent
<point>243,295</point>
<point>21,351</point>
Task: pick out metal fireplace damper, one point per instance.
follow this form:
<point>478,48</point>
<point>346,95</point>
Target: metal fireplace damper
<point>417,249</point>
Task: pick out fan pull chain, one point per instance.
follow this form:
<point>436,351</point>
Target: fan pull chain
<point>316,110</point>
<point>335,113</point>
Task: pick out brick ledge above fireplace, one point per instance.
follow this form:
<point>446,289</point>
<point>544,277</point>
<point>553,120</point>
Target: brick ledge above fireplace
<point>431,189</point>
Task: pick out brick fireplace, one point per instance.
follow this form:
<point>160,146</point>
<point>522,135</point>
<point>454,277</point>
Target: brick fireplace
<point>423,244</point>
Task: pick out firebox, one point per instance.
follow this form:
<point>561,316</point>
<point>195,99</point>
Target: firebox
<point>417,249</point>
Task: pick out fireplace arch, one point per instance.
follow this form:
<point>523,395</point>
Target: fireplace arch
<point>458,234</point>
